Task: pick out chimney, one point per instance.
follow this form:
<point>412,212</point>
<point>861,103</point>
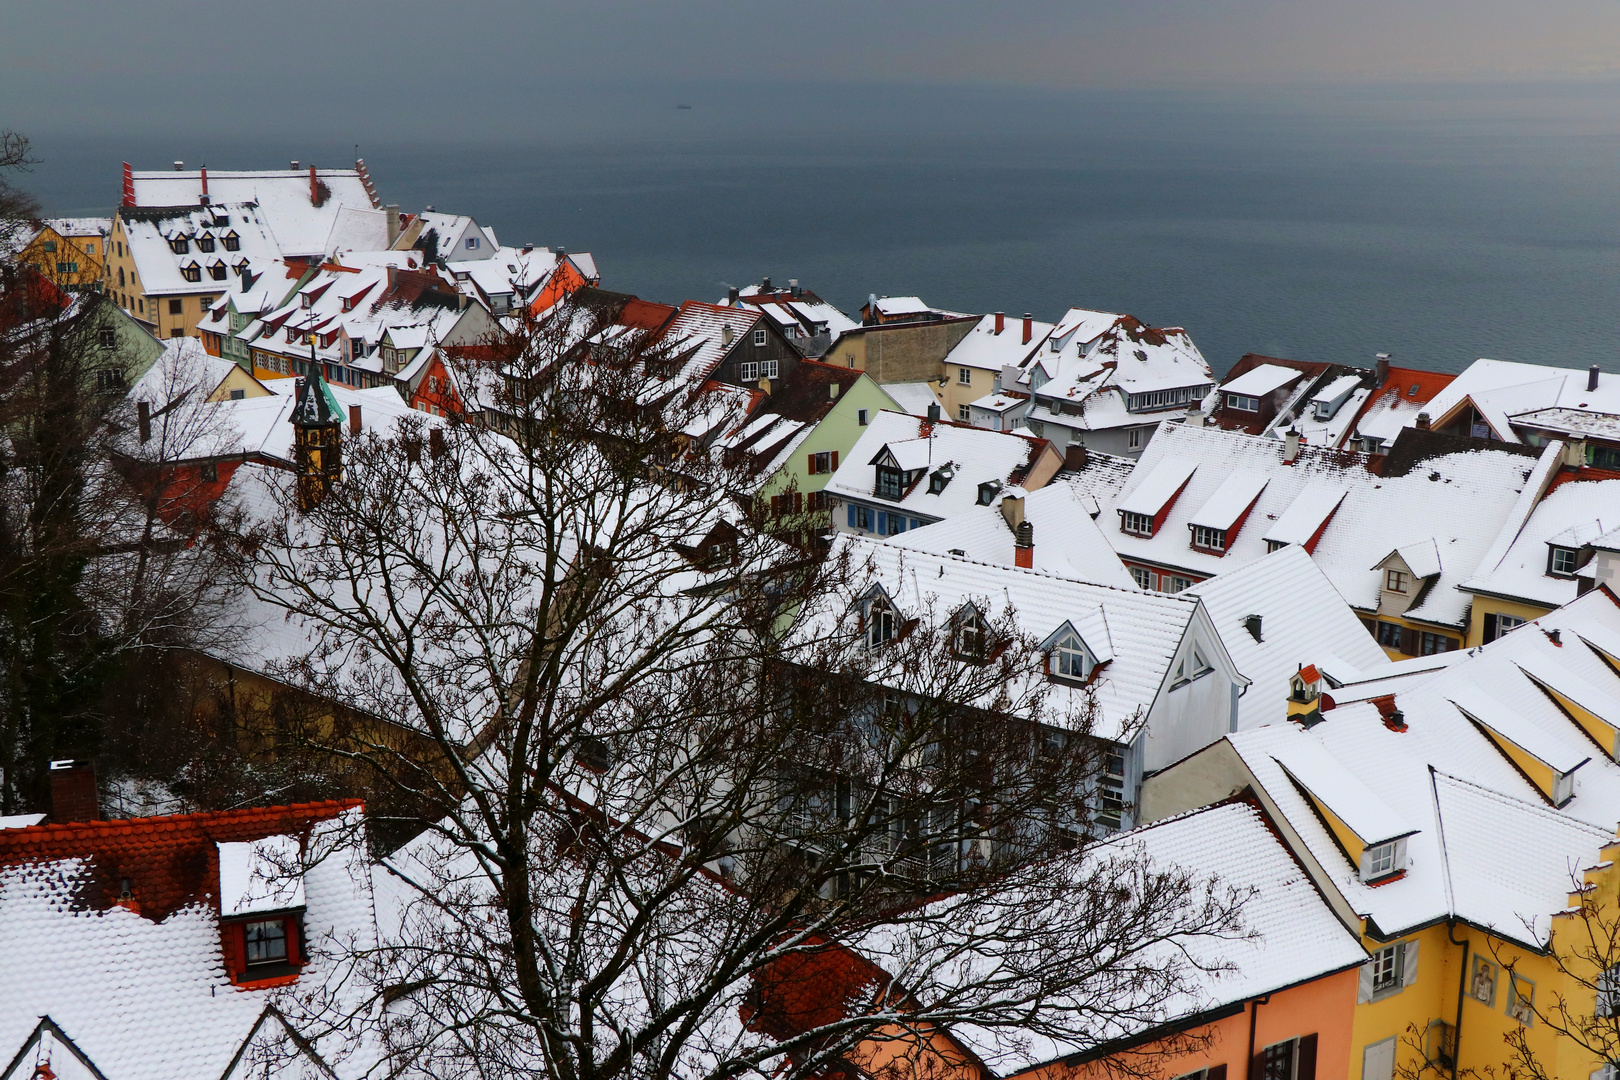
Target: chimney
<point>392,210</point>
<point>436,442</point>
<point>765,286</point>
<point>129,185</point>
<point>294,165</point>
<point>832,390</point>
<point>765,386</point>
<point>793,288</point>
<point>1001,321</point>
<point>1575,453</point>
<point>179,166</point>
<point>1592,377</point>
<point>1422,423</point>
<point>933,413</point>
<point>726,334</point>
<point>203,198</point>
<point>1029,327</point>
<point>73,791</point>
<point>1012,508</point>
<point>1074,457</point>
<point>733,294</point>
<point>314,191</point>
<point>1291,446</point>
<point>1195,415</point>
<point>143,419</point>
<point>354,419</point>
<point>1381,370</point>
<point>1024,546</point>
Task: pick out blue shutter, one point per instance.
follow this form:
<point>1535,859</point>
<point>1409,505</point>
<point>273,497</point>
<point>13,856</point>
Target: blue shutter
<point>852,515</point>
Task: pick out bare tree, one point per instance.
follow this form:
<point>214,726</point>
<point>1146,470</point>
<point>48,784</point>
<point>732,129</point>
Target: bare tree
<point>19,211</point>
<point>655,804</point>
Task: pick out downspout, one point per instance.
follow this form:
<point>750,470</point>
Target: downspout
<point>1254,1014</point>
<point>1462,982</point>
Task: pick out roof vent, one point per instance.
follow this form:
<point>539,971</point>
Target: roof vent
<point>1592,377</point>
<point>179,165</point>
<point>1252,625</point>
<point>933,412</point>
<point>293,165</point>
<point>765,286</point>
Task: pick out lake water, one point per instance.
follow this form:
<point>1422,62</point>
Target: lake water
<point>1436,224</point>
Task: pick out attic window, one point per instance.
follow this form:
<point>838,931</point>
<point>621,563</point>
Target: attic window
<point>1561,561</point>
<point>1135,524</point>
<point>265,942</point>
<point>1379,861</point>
<point>1069,659</point>
<point>968,642</point>
<point>1395,580</point>
<point>205,243</point>
<point>1193,666</point>
<point>472,243</point>
<point>232,241</point>
<point>1242,403</point>
<point>191,272</point>
<point>1413,392</point>
<point>987,492</point>
<point>938,480</point>
<point>179,245</point>
<point>216,270</point>
<point>879,623</point>
<point>891,482</point>
<point>759,339</point>
<point>1208,539</point>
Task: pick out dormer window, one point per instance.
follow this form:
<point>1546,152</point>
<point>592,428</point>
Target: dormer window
<point>1396,580</point>
<point>1561,561</point>
<point>969,640</point>
<point>216,270</point>
<point>232,241</point>
<point>879,623</point>
<point>1192,667</point>
<point>265,942</point>
<point>1380,861</point>
<point>205,243</point>
<point>191,272</point>
<point>261,905</point>
<point>891,482</point>
<point>939,478</point>
<point>179,245</point>
<point>1135,524</point>
<point>1070,661</point>
<point>988,492</point>
<point>1242,403</point>
<point>1208,539</point>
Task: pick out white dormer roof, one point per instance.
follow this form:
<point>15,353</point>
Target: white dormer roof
<point>260,876</point>
<point>1230,501</point>
<point>1150,496</point>
<point>1262,380</point>
<point>1422,557</point>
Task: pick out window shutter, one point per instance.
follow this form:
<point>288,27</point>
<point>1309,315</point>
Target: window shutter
<point>1216,1072</point>
<point>1257,1064</point>
<point>1409,955</point>
<point>238,936</point>
<point>1364,986</point>
<point>798,502</point>
<point>834,466</point>
<point>852,515</point>
<point>1305,1059</point>
<point>295,954</point>
<point>1409,641</point>
<point>813,469</point>
<point>1490,628</point>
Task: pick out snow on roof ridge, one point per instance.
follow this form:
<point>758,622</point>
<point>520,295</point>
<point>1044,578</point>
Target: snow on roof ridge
<point>1535,488</point>
<point>1028,570</point>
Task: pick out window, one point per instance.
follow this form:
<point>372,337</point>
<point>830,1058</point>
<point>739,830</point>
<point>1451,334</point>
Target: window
<point>1135,524</point>
<point>1379,861</point>
<point>1482,984</point>
<point>216,270</point>
<point>1608,992</point>
<point>179,246</point>
<point>107,339</point>
<point>1561,562</point>
<point>879,623</point>
<point>1174,583</point>
<point>860,517</point>
<point>753,371</point>
<point>1143,576</point>
<point>90,247</point>
<point>191,272</point>
<point>176,307</point>
<point>969,640</point>
<point>988,492</point>
<point>238,395</point>
<point>1208,538</point>
<point>208,469</point>
<point>1193,666</point>
<point>1431,644</point>
<point>1395,580</point>
<point>938,480</point>
<point>205,243</point>
<point>1070,659</point>
<point>67,268</point>
<point>891,482</point>
<point>1291,1060</point>
<point>1133,438</point>
<point>1389,635</point>
<point>759,339</point>
<point>472,243</point>
<point>964,413</point>
<point>1242,403</point>
<point>1370,445</point>
<point>593,754</point>
<point>266,942</point>
<point>50,245</point>
<point>1386,969</point>
<point>964,376</point>
<point>1111,790</point>
<point>233,242</point>
<point>860,414</point>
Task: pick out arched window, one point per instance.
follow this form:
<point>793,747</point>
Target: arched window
<point>1069,658</point>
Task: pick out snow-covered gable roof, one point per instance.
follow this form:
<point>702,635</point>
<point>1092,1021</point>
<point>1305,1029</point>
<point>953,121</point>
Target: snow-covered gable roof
<point>1127,358</point>
<point>1230,501</point>
<point>260,875</point>
<point>1457,500</point>
<point>1067,540</point>
<point>1511,682</point>
<point>697,337</point>
<point>150,235</point>
<point>1572,514</point>
<point>1138,632</point>
<point>1502,391</point>
<point>183,364</point>
<point>974,455</point>
<point>1296,934</point>
<point>79,226</point>
<point>282,198</point>
<point>1261,380</point>
<point>982,347</point>
<point>913,397</point>
<point>1406,392</point>
<point>1303,620</point>
<point>140,986</point>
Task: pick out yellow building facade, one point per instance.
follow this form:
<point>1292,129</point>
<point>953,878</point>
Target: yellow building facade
<point>70,252</point>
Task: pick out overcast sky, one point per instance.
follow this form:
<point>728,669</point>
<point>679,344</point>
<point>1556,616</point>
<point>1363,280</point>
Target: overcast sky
<point>430,66</point>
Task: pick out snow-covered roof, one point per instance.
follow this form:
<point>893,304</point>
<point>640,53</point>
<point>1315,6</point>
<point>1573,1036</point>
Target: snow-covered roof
<point>140,986</point>
<point>913,397</point>
<point>902,305</point>
<point>150,236</point>
<point>261,875</point>
<point>1457,501</point>
<point>1302,620</point>
<point>185,364</point>
<point>1262,380</point>
<point>1067,540</point>
<point>1422,557</point>
<point>79,226</point>
<point>1099,375</point>
<point>1309,511</point>
<point>696,336</point>
<point>282,198</point>
<point>1230,501</point>
<point>1454,717</point>
<point>982,347</point>
<point>1296,934</point>
<point>1138,632</point>
<point>972,455</point>
<point>1502,391</point>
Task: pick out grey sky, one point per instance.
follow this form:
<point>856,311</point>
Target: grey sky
<point>323,65</point>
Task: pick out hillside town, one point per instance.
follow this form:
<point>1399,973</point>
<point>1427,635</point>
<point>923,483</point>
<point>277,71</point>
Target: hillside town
<point>423,659</point>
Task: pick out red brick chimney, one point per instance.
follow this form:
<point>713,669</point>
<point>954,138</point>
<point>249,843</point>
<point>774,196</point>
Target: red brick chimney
<point>73,791</point>
<point>1001,321</point>
<point>354,419</point>
<point>129,185</point>
<point>314,191</point>
<point>204,198</point>
<point>1029,327</point>
<point>1024,546</point>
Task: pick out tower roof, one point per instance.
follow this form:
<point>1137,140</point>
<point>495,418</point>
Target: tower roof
<point>316,405</point>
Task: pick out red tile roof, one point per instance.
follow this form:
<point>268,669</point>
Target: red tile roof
<point>169,861</point>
